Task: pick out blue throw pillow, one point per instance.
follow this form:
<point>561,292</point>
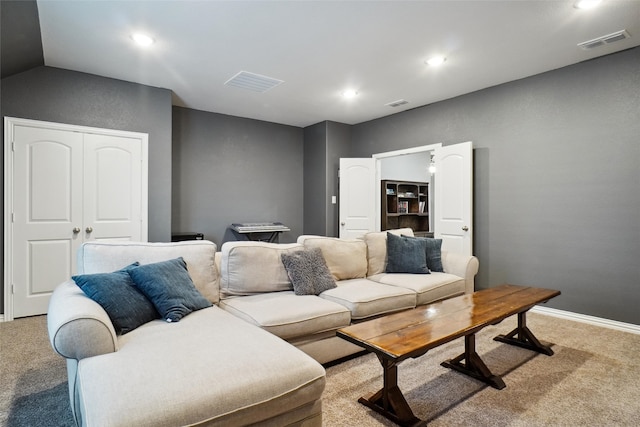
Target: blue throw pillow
<point>170,288</point>
<point>406,255</point>
<point>126,306</point>
<point>433,253</point>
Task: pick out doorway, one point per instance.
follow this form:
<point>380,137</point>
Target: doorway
<point>451,193</point>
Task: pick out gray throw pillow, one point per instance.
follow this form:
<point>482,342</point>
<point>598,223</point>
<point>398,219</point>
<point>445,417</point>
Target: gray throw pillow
<point>116,293</point>
<point>170,288</point>
<point>406,255</point>
<point>433,253</point>
<point>308,271</point>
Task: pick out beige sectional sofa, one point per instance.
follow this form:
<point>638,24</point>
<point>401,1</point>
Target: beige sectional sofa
<point>214,366</point>
<point>254,286</point>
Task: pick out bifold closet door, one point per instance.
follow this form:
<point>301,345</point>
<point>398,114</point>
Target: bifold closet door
<point>112,188</point>
<point>69,187</point>
<point>47,214</point>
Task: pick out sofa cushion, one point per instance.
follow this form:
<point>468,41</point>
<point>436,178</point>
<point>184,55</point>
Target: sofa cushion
<point>249,268</point>
<point>406,255</point>
<point>377,249</point>
<point>308,271</point>
<point>366,298</point>
<point>104,257</point>
<point>346,258</point>
<point>168,286</point>
<point>288,315</point>
<point>116,293</point>
<point>428,287</point>
<point>211,368</point>
<point>433,253</point>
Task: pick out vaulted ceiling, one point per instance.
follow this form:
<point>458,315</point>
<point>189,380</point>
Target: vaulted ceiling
<point>320,49</point>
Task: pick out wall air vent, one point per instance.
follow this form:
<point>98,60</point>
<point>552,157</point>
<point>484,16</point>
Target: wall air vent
<point>252,81</point>
<point>397,103</point>
<point>603,40</point>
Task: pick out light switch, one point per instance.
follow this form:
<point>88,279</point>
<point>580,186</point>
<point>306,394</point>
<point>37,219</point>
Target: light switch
<point>333,200</point>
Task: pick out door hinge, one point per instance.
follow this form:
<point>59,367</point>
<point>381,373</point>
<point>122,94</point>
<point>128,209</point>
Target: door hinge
<point>338,173</point>
<point>12,289</point>
<point>13,146</point>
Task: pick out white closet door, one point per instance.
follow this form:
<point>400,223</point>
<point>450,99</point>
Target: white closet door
<point>112,188</point>
<point>47,188</point>
<point>65,185</point>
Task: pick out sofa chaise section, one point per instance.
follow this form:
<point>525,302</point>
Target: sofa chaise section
<point>210,368</point>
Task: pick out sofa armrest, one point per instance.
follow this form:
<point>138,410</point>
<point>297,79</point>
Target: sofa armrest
<point>465,266</point>
<point>78,326</point>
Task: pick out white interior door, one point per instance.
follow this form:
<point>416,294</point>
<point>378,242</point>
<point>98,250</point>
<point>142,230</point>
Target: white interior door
<point>454,197</point>
<point>112,188</point>
<point>47,186</point>
<point>357,197</point>
<point>65,185</point>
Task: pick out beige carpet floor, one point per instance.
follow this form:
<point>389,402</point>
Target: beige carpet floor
<point>592,380</point>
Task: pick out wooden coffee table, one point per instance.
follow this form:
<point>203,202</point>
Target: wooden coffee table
<point>411,333</point>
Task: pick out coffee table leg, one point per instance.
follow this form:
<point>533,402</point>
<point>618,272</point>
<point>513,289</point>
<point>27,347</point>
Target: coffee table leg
<point>389,401</point>
<point>523,337</point>
<point>473,364</point>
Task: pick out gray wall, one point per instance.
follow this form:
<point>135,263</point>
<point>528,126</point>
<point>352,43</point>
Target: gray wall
<point>338,141</point>
<point>21,43</point>
<point>324,144</point>
<point>556,179</point>
<point>56,95</point>
<point>315,179</point>
<point>228,169</point>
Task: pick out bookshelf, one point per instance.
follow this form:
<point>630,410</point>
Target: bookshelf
<point>405,204</point>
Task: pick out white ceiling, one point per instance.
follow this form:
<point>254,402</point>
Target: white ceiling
<point>321,48</point>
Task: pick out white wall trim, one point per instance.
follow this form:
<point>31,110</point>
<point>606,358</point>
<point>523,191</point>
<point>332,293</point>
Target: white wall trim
<point>404,151</point>
<point>1,318</point>
<point>592,320</point>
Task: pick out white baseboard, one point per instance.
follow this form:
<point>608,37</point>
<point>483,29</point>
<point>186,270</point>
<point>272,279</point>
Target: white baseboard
<point>1,318</point>
<point>592,320</point>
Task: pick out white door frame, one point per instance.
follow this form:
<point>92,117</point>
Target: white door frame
<point>9,123</point>
<point>380,156</point>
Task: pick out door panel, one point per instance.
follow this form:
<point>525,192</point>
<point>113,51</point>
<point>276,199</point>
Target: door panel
<point>453,197</point>
<point>45,188</point>
<point>49,262</point>
<point>113,180</point>
<point>357,197</point>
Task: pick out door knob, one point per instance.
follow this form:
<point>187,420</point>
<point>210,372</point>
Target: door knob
<point>465,228</point>
<point>88,229</point>
<point>76,230</point>
<point>342,224</point>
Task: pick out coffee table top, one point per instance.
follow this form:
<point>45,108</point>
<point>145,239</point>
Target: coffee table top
<point>412,333</point>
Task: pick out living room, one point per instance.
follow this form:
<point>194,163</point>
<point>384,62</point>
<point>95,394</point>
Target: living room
<point>556,157</point>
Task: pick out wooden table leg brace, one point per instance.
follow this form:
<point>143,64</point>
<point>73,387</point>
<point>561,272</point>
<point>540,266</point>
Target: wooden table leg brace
<point>473,364</point>
<point>389,401</point>
<point>523,337</point>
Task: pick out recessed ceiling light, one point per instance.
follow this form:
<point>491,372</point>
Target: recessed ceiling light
<point>142,39</point>
<point>586,4</point>
<point>436,60</point>
<point>349,94</point>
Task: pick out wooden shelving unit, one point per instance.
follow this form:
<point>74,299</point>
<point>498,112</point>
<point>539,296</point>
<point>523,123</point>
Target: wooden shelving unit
<point>405,204</point>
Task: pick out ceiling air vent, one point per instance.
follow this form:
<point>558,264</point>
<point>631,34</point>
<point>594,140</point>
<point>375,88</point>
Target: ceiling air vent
<point>252,81</point>
<point>601,41</point>
<point>397,103</point>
